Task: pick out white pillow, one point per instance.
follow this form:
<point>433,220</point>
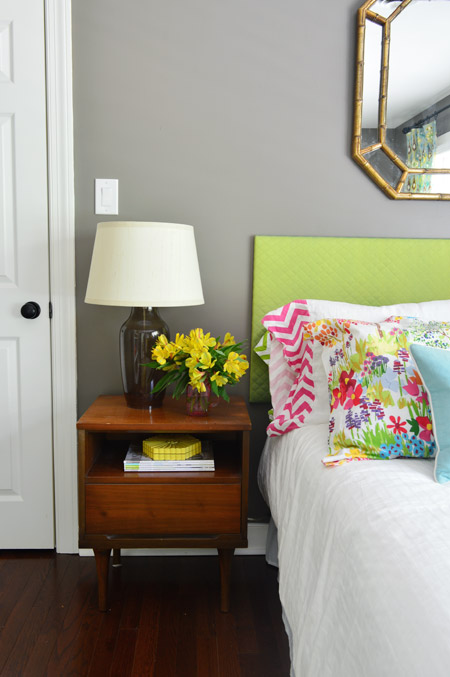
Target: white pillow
<point>426,310</point>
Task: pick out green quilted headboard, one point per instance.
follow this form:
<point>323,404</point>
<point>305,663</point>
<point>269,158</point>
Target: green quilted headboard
<point>370,271</point>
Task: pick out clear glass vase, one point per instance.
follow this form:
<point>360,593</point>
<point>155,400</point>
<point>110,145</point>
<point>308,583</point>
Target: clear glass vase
<point>197,403</point>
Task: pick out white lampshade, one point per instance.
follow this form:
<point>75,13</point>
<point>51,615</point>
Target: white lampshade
<point>144,264</point>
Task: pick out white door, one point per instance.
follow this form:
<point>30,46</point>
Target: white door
<point>26,465</point>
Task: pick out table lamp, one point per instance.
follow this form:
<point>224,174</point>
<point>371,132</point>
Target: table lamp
<point>146,266</point>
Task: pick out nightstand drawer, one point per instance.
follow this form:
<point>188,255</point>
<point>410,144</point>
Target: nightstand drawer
<point>163,509</point>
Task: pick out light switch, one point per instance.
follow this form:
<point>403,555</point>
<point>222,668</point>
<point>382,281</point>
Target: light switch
<point>106,196</point>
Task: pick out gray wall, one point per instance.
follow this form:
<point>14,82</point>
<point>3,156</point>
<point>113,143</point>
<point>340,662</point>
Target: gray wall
<point>230,115</point>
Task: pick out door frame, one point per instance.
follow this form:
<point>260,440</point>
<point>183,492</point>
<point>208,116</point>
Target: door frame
<point>61,209</point>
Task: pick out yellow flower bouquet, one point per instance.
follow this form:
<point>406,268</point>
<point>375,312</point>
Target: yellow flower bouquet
<point>199,360</point>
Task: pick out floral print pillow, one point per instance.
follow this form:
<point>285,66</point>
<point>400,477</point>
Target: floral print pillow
<point>378,404</point>
<point>431,333</point>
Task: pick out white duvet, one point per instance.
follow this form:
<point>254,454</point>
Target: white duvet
<point>364,560</point>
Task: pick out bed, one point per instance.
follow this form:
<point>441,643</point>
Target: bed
<point>363,549</point>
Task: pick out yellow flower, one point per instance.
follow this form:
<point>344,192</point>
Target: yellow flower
<point>196,347</point>
<point>180,340</point>
<point>192,362</point>
<point>159,355</point>
<point>219,379</point>
<point>206,361</point>
<point>195,376</point>
<point>228,340</point>
<point>353,452</point>
<point>196,334</point>
<point>198,340</point>
<point>209,340</point>
<point>164,350</point>
<point>161,352</point>
<point>236,364</point>
<point>172,350</point>
<point>231,363</point>
<point>242,367</point>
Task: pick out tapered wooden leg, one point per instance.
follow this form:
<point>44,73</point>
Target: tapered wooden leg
<point>116,558</point>
<point>225,559</point>
<point>102,563</point>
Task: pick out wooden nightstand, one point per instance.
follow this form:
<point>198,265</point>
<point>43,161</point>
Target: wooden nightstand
<point>120,509</point>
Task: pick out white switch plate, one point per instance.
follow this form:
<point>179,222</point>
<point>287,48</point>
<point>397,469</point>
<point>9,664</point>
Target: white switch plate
<point>106,196</point>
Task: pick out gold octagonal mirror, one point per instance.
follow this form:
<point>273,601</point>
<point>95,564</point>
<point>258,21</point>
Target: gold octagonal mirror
<point>401,132</point>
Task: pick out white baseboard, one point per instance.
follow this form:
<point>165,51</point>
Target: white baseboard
<point>257,532</point>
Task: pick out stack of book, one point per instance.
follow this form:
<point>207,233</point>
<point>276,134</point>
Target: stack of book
<point>135,460</point>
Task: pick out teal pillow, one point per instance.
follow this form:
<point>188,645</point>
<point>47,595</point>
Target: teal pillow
<point>434,368</point>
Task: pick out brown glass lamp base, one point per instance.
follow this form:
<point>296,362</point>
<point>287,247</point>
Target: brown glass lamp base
<point>138,336</point>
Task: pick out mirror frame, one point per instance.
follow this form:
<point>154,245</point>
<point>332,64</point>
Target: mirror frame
<point>358,153</point>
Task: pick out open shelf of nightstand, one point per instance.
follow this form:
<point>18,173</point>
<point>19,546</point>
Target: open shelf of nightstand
<point>107,467</point>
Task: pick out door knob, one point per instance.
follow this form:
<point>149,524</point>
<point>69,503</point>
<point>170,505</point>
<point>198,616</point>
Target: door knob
<point>30,310</point>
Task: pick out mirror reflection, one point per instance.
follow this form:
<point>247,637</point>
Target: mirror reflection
<point>402,97</point>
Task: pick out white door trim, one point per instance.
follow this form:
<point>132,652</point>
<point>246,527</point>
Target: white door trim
<point>58,27</point>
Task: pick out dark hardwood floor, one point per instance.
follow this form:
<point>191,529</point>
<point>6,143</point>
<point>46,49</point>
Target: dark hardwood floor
<point>164,618</point>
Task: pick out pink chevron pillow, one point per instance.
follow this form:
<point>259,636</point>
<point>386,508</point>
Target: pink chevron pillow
<point>290,367</point>
<point>281,378</point>
<point>297,379</point>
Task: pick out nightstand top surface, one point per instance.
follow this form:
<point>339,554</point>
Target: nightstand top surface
<point>110,412</point>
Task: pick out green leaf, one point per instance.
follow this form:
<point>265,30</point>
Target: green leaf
<point>355,362</point>
<point>181,385</point>
<point>153,364</point>
<point>169,377</point>
<point>414,426</point>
